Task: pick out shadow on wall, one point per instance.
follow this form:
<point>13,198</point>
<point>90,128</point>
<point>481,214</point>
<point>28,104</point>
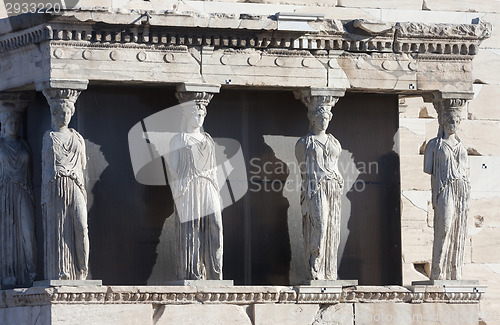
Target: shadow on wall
<point>126,218</point>
<point>366,125</point>
<point>131,225</point>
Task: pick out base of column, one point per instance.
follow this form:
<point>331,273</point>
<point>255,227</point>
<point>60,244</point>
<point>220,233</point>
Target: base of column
<point>445,283</point>
<point>332,283</point>
<point>454,288</point>
<point>67,283</point>
<point>202,283</point>
<point>329,283</point>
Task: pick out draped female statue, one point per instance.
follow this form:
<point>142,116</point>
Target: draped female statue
<point>445,158</point>
<point>64,200</point>
<point>318,154</point>
<point>198,205</point>
<point>17,214</point>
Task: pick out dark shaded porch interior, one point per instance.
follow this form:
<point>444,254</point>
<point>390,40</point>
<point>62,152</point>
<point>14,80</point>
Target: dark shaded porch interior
<point>126,218</point>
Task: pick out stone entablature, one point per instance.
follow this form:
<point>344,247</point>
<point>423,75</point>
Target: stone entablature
<point>189,30</point>
<point>238,295</point>
<point>242,51</point>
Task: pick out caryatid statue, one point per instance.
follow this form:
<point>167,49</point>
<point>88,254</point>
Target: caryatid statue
<point>17,211</point>
<point>445,158</point>
<point>64,198</point>
<point>198,204</point>
<point>318,153</point>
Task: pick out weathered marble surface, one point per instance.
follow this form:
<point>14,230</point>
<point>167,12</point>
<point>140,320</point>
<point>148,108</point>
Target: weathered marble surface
<point>64,198</point>
<point>235,305</point>
<point>446,160</point>
<point>68,283</point>
<point>416,314</point>
<point>17,210</point>
<point>293,314</point>
<point>198,205</point>
<point>321,190</point>
<point>270,56</point>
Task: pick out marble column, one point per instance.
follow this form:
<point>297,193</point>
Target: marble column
<point>64,197</point>
<point>193,180</point>
<point>17,210</point>
<point>322,184</point>
<point>446,160</point>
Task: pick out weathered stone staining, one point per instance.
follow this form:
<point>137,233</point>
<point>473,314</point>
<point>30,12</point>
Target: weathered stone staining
<point>17,209</point>
<point>251,50</point>
<point>64,198</point>
<point>445,158</point>
<point>198,205</point>
<point>229,305</point>
<point>322,184</point>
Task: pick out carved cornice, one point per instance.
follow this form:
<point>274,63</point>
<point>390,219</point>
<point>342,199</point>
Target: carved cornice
<point>23,38</point>
<point>442,39</point>
<point>239,295</point>
<point>454,39</point>
<point>479,31</point>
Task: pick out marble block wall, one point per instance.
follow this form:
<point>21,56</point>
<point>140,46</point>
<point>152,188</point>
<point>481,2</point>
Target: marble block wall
<point>480,128</point>
<point>479,131</point>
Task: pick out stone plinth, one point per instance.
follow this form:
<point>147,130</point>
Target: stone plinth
<point>332,283</point>
<point>202,283</point>
<point>446,283</point>
<point>231,305</point>
<point>450,291</point>
<point>68,283</point>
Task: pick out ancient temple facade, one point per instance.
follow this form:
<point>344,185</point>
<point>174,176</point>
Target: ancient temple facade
<point>384,66</point>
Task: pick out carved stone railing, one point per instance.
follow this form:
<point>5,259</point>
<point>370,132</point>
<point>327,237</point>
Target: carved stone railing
<point>238,295</point>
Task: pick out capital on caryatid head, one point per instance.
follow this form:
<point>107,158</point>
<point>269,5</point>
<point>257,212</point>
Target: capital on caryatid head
<point>316,98</point>
<point>448,101</point>
<point>202,94</point>
<point>15,102</point>
<point>58,91</point>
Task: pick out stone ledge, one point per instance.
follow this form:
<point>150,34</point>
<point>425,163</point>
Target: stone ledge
<point>332,283</point>
<point>67,283</point>
<point>446,283</point>
<point>236,295</point>
<point>202,283</point>
<point>457,292</point>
